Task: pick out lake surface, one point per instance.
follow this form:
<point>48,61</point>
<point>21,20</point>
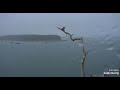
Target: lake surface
<point>57,59</point>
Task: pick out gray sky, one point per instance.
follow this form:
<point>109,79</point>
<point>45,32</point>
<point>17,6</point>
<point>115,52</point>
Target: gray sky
<point>89,24</point>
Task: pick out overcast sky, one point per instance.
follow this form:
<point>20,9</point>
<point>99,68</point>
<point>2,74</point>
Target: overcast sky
<point>45,23</point>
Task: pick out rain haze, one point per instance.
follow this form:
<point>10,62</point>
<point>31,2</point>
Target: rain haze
<point>59,56</point>
<point>45,23</point>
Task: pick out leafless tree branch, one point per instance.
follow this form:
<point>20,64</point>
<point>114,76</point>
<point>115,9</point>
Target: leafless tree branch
<point>63,29</point>
<point>84,52</point>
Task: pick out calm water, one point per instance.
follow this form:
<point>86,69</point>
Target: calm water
<point>61,58</point>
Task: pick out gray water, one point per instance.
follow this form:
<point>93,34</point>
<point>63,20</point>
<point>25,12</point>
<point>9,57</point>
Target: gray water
<point>58,59</point>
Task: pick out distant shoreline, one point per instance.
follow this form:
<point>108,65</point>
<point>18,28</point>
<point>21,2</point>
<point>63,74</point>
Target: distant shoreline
<point>31,38</point>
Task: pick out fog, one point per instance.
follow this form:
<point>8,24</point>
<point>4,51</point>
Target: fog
<point>87,24</point>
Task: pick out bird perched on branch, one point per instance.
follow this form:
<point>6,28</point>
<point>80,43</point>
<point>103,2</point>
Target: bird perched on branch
<point>63,29</point>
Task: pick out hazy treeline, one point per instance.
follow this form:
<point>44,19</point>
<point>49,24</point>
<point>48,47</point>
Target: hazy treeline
<point>30,37</point>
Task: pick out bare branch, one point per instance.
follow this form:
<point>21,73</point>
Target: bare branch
<point>63,29</point>
<point>84,52</point>
<point>67,33</point>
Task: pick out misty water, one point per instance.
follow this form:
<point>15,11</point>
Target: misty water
<point>58,58</point>
<point>100,31</point>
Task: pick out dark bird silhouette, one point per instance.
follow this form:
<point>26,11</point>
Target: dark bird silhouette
<point>63,29</point>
